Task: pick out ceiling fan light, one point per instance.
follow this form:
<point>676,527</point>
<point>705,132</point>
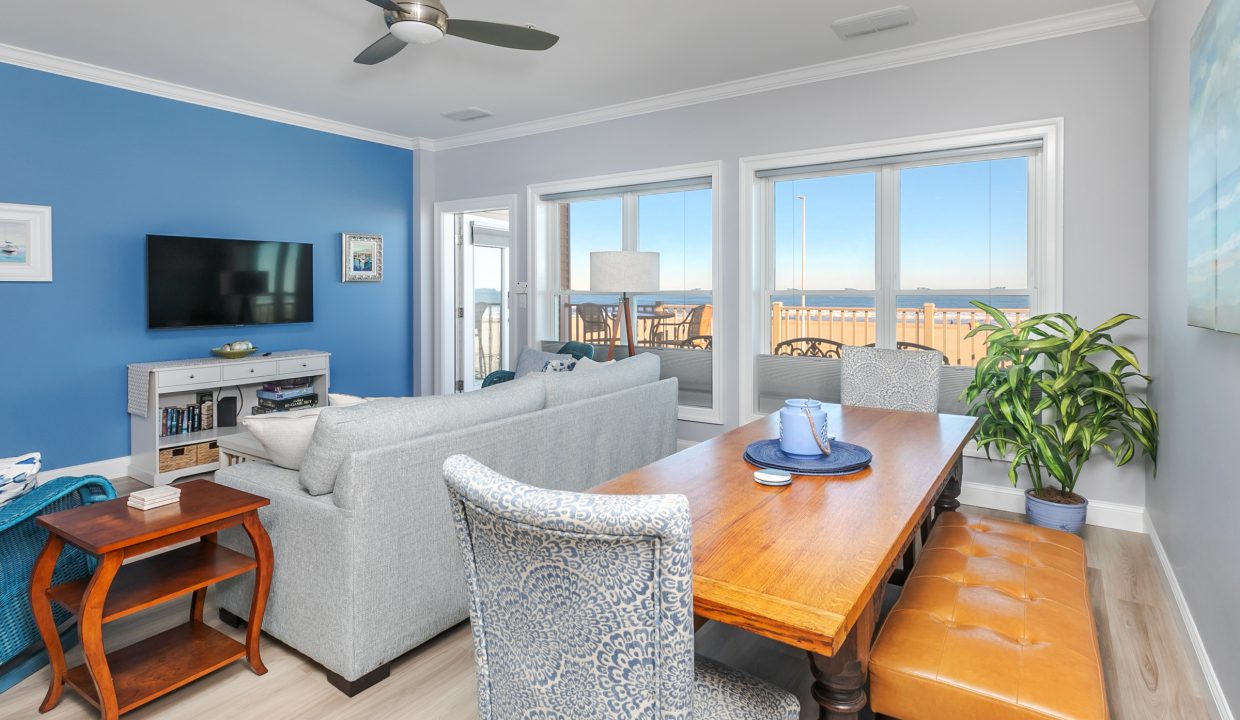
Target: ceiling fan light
<point>416,32</point>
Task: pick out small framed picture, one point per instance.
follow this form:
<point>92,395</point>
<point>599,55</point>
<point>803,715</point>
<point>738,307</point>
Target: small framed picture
<point>25,243</point>
<point>363,258</point>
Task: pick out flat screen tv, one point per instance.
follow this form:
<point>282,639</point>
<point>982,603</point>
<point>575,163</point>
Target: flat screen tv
<point>205,282</point>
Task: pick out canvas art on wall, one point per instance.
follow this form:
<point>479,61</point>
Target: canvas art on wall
<point>362,260</point>
<point>1214,170</point>
<point>25,243</point>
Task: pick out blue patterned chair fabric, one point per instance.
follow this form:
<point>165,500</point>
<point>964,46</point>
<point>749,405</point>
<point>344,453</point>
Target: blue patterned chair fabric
<point>21,540</point>
<point>582,607</point>
<point>891,379</point>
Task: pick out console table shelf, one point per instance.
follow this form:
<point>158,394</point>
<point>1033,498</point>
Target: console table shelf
<point>176,383</point>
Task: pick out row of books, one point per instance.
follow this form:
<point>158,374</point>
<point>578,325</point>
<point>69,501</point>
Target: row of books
<point>188,418</point>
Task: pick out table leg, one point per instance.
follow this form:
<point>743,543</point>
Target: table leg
<point>839,679</point>
<point>90,630</point>
<point>262,584</point>
<point>199,598</point>
<point>41,607</point>
<point>947,501</point>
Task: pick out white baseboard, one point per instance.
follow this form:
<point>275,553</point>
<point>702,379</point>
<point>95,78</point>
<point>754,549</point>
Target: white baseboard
<point>1194,635</point>
<point>110,469</point>
<point>682,444</point>
<point>1101,513</point>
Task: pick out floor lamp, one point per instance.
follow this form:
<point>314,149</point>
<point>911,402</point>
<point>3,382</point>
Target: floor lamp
<point>626,273</point>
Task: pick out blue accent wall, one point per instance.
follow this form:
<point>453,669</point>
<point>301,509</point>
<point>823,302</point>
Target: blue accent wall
<point>115,165</point>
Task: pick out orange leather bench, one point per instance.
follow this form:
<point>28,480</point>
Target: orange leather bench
<point>995,623</point>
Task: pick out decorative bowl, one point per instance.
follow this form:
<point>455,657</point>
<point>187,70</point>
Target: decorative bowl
<point>233,354</point>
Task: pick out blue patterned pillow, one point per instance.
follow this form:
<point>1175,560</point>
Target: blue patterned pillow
<point>554,366</point>
<point>18,476</point>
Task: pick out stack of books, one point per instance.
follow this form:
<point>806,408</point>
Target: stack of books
<point>154,497</point>
<point>285,395</point>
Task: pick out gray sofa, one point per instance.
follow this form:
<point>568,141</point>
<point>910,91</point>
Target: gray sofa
<point>370,569</point>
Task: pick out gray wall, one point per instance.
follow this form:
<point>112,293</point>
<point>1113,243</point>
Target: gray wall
<point>1097,81</point>
<point>1194,496</point>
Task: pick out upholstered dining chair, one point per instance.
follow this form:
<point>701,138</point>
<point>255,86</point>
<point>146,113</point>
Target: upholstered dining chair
<point>891,379</point>
<point>582,607</point>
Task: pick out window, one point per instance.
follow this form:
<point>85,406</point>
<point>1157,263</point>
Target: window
<point>674,217</point>
<point>837,274</point>
<point>890,252</point>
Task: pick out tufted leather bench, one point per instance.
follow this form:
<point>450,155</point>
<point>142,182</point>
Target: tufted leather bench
<point>995,623</point>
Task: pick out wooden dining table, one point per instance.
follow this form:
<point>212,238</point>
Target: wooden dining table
<point>806,564</point>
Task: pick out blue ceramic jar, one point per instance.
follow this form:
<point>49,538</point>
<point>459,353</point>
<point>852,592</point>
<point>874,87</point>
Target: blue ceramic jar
<point>799,421</point>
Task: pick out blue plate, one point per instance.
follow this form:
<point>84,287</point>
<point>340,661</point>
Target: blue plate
<point>845,459</point>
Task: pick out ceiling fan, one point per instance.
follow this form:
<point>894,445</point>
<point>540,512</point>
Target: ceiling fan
<point>422,22</point>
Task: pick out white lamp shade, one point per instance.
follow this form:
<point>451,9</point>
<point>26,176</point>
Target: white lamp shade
<point>624,272</point>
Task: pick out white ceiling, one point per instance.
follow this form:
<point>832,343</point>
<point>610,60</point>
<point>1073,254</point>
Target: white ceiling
<point>297,54</point>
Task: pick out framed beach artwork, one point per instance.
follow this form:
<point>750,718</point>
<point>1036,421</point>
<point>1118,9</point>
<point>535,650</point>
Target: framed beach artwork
<point>25,243</point>
<point>362,259</point>
<point>1214,170</point>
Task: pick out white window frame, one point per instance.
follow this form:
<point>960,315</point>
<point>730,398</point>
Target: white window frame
<point>756,223</point>
<point>544,264</point>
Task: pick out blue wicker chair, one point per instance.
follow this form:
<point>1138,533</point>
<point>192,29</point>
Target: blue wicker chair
<point>21,649</point>
<point>576,349</point>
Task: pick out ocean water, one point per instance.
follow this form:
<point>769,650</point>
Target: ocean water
<point>905,301</point>
<point>18,258</point>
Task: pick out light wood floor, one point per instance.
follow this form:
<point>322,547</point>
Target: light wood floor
<point>1150,670</point>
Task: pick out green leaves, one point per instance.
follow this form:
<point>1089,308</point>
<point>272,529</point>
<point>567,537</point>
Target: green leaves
<point>1038,395</point>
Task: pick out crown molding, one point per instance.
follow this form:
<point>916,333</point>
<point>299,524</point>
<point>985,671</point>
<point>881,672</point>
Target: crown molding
<point>1122,13</point>
<point>138,83</point>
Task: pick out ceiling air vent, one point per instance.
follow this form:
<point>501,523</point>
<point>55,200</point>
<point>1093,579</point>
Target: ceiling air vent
<point>874,22</point>
<point>468,114</point>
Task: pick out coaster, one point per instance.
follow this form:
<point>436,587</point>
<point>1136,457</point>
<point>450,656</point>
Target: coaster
<point>773,478</point>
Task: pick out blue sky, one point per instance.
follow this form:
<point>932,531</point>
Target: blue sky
<point>962,225</point>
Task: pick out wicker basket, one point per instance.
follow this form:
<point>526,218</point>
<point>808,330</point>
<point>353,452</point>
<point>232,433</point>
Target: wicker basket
<point>208,452</point>
<point>178,458</point>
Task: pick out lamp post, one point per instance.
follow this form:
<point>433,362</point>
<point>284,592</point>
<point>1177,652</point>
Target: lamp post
<point>804,311</point>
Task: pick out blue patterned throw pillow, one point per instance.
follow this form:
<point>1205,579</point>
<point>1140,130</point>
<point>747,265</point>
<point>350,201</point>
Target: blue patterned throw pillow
<point>554,366</point>
<point>18,476</point>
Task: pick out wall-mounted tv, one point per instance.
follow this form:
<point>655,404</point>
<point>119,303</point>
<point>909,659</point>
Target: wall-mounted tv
<point>205,282</point>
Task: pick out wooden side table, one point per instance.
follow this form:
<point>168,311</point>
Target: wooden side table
<point>125,679</point>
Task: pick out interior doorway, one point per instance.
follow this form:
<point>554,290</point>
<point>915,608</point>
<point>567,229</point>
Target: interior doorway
<point>477,243</point>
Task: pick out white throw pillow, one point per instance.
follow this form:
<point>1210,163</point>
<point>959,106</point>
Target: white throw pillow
<point>344,400</point>
<point>588,364</point>
<point>18,476</point>
<point>286,435</point>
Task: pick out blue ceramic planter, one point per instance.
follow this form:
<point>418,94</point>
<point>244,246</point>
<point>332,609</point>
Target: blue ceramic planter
<point>1043,513</point>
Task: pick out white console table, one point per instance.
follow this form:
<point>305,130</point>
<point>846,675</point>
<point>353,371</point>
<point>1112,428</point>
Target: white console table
<point>176,383</point>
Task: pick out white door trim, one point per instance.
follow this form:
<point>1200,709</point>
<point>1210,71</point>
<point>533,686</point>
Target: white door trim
<point>444,281</point>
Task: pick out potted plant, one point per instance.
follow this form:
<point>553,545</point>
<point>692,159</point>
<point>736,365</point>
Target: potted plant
<point>1046,406</point>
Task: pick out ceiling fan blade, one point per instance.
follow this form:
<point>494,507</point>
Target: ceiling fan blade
<point>388,5</point>
<point>382,49</point>
<point>509,36</point>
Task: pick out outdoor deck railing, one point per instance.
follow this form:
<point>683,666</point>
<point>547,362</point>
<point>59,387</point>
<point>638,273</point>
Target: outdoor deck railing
<point>942,328</point>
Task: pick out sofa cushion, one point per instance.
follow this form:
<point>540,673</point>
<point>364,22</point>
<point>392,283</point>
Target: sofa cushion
<point>564,388</point>
<point>285,436</point>
<point>346,430</point>
<point>535,361</point>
